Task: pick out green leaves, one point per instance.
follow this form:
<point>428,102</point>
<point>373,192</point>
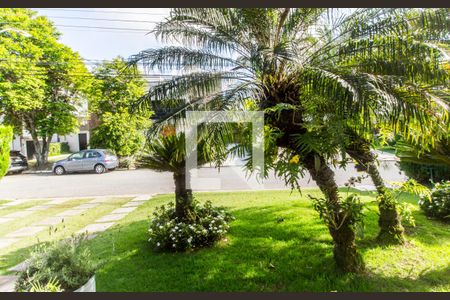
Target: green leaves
<point>324,70</point>
<point>6,134</point>
<point>42,82</point>
<point>121,132</point>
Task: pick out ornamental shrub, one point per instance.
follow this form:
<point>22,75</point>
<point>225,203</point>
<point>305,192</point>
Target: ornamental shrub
<point>425,174</point>
<point>67,262</point>
<point>58,148</point>
<point>167,233</point>
<point>54,149</point>
<point>439,205</point>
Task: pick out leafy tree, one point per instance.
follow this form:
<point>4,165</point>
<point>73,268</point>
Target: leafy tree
<point>114,88</point>
<point>42,81</point>
<point>6,134</point>
<point>291,67</point>
<point>120,132</point>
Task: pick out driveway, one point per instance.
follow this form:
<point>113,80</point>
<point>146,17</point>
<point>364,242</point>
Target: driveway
<point>143,181</point>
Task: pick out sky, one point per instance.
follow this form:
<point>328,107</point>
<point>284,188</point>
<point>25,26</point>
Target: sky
<point>117,31</point>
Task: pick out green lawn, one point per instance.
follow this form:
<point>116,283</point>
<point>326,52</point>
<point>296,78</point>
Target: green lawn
<point>261,254</point>
<point>18,252</point>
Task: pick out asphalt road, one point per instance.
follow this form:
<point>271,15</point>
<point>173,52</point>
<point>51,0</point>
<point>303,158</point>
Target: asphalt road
<point>137,182</point>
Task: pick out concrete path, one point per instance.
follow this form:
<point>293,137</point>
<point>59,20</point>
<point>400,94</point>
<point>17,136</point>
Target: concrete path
<point>103,223</point>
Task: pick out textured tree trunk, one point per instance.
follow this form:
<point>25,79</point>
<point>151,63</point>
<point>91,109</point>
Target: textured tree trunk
<point>42,149</point>
<point>391,229</point>
<point>345,253</point>
<point>183,198</point>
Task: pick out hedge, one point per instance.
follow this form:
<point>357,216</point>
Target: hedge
<point>6,135</point>
<point>425,174</point>
<point>58,148</point>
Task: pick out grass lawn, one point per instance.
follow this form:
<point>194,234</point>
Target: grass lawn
<point>18,252</point>
<point>263,254</point>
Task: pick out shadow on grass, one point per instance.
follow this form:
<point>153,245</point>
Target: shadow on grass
<point>260,255</point>
<point>434,280</point>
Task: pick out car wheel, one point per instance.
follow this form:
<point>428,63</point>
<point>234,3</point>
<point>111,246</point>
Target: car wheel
<point>59,170</point>
<point>99,169</point>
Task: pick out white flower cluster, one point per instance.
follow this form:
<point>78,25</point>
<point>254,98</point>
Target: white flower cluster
<point>170,234</point>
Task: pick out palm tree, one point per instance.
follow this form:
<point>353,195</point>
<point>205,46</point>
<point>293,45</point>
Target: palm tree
<point>166,152</point>
<point>287,62</point>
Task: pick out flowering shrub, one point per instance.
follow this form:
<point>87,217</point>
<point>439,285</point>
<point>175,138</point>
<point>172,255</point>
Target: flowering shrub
<point>439,206</point>
<point>170,234</point>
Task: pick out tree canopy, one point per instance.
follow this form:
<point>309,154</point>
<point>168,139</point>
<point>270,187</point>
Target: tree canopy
<point>42,82</point>
<point>115,87</point>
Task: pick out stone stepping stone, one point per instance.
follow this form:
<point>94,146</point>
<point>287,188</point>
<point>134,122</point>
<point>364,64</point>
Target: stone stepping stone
<point>18,214</point>
<point>99,200</point>
<point>14,203</point>
<point>123,210</point>
<point>111,218</point>
<point>50,221</point>
<point>26,231</point>
<point>142,198</point>
<point>58,201</point>
<point>133,204</point>
<point>5,220</point>
<point>20,267</point>
<point>71,213</point>
<point>38,207</point>
<point>86,206</point>
<point>96,227</point>
<point>5,242</point>
<point>7,283</point>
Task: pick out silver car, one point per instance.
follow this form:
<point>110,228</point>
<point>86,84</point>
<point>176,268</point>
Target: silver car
<point>97,160</point>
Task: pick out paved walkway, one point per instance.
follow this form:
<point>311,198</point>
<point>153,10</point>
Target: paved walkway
<point>99,225</point>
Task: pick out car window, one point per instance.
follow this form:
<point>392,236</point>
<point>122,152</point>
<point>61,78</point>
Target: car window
<point>92,154</point>
<point>78,155</point>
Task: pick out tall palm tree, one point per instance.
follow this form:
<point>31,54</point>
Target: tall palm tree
<point>287,62</point>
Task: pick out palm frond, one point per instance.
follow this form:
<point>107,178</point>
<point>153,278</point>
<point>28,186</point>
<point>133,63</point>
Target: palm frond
<point>177,58</point>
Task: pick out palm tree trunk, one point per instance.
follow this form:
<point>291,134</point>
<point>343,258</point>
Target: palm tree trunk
<point>183,198</point>
<point>345,253</point>
<point>391,229</point>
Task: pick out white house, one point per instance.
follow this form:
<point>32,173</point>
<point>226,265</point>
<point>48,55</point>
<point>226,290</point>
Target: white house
<point>79,140</point>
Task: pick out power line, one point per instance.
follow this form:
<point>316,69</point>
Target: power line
<point>106,31</point>
<point>104,19</point>
<point>105,11</point>
<point>102,27</point>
